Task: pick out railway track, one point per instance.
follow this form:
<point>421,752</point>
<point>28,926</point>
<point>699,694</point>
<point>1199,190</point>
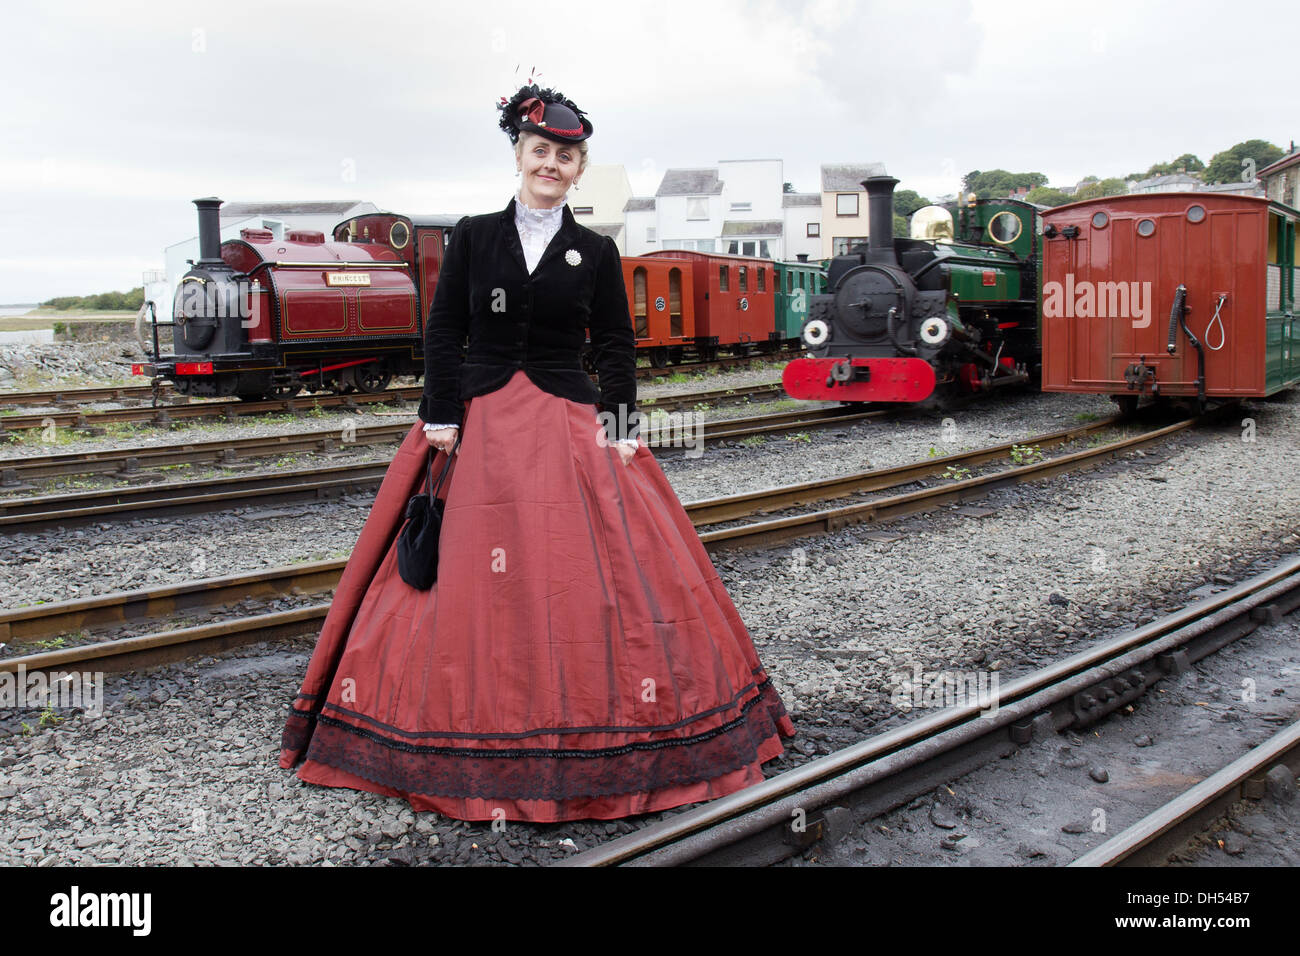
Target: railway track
<point>82,396</point>
<point>827,797</point>
<point>1150,841</point>
<point>131,460</point>
<point>27,625</point>
<point>163,415</point>
<point>190,497</point>
<point>145,393</point>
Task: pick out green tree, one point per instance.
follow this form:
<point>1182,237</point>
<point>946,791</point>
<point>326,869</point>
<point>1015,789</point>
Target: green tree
<point>1097,189</point>
<point>100,302</point>
<point>1186,163</point>
<point>1241,162</point>
<point>998,183</point>
<point>1047,196</point>
<point>901,227</point>
<point>908,201</point>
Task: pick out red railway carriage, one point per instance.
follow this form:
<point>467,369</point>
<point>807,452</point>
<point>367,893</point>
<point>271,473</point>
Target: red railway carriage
<point>734,299</point>
<point>662,306</point>
<point>1188,295</point>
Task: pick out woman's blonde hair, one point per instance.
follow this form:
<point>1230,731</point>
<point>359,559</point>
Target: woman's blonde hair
<point>580,146</point>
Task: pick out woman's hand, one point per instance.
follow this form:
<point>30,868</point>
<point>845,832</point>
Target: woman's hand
<point>443,439</point>
<point>626,452</point>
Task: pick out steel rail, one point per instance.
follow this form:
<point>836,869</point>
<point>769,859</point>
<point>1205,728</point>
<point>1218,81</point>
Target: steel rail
<point>683,837</point>
<point>44,621</point>
<point>67,396</point>
<point>1144,842</point>
<point>41,621</point>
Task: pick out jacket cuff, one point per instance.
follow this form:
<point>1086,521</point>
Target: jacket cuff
<point>622,421</point>
<point>428,427</point>
<point>434,410</point>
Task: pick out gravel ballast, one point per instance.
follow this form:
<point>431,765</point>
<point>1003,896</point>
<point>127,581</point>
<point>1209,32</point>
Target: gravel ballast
<point>182,766</point>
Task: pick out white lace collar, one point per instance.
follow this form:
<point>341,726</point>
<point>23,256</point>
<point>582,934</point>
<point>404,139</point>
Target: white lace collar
<point>542,217</point>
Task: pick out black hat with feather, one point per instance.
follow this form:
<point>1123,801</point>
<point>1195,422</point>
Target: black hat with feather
<point>543,111</point>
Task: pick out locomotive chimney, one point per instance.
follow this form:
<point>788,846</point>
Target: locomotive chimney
<point>880,217</point>
<point>209,231</point>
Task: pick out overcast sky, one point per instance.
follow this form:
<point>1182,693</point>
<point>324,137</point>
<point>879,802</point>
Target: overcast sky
<point>117,114</point>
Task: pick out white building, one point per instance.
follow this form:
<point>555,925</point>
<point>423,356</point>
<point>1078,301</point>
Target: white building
<point>738,207</point>
<point>802,213</point>
<point>598,200</point>
<point>279,217</point>
<point>1172,183</point>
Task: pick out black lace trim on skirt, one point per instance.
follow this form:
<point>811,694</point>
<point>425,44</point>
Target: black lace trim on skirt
<point>535,773</point>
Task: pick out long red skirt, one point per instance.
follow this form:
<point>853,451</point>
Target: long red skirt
<point>577,658</point>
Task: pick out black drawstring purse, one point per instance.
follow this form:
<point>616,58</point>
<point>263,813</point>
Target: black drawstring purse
<point>417,546</point>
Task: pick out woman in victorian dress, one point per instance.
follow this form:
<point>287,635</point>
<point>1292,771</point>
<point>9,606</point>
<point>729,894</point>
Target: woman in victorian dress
<point>578,656</point>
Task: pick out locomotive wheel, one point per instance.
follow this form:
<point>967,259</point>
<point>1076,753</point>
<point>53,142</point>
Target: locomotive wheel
<point>372,378</point>
<point>659,357</point>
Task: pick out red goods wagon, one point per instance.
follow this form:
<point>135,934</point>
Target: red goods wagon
<point>1170,294</point>
<point>662,305</point>
<point>734,299</point>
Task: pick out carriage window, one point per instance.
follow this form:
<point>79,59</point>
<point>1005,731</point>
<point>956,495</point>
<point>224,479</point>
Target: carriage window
<point>1146,227</point>
<point>1195,213</point>
<point>789,280</point>
<point>744,278</point>
<point>724,278</point>
<point>639,300</point>
<point>675,302</point>
<point>1099,220</point>
<point>762,279</point>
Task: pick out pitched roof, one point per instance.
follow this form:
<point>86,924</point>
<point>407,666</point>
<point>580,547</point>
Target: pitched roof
<point>753,227</point>
<point>639,204</point>
<point>847,177</point>
<point>690,182</point>
<point>338,207</point>
<point>800,199</point>
<point>1278,165</point>
<point>1179,179</point>
<point>611,229</point>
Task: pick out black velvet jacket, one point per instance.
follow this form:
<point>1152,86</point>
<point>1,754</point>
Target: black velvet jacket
<point>535,321</point>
